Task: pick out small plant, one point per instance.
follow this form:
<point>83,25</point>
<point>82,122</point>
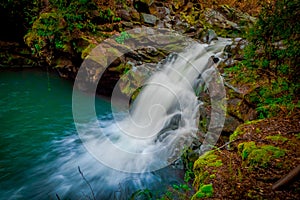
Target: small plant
<point>123,36</point>
<point>183,187</point>
<point>142,194</point>
<point>204,192</point>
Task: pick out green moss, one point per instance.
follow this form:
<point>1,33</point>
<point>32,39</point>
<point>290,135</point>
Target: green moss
<point>259,156</point>
<point>277,138</point>
<point>253,121</point>
<point>204,191</point>
<point>87,50</point>
<point>298,136</point>
<point>212,176</point>
<point>209,160</point>
<point>238,131</point>
<point>246,148</point>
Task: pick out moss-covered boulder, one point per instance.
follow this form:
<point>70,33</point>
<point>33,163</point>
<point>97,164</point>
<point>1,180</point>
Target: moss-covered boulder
<point>260,153</point>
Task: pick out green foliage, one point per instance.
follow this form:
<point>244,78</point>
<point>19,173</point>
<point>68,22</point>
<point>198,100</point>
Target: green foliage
<point>274,97</point>
<point>204,191</point>
<point>108,16</point>
<point>275,38</point>
<point>202,168</point>
<point>124,35</point>
<point>188,175</point>
<point>246,148</point>
<point>274,53</point>
<point>181,187</point>
<point>62,28</point>
<point>142,194</point>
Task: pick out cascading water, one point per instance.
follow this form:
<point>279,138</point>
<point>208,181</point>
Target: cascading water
<point>163,120</point>
<point>160,123</point>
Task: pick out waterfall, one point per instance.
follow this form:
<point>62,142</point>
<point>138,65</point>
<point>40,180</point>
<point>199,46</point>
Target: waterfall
<point>143,140</point>
<point>162,121</point>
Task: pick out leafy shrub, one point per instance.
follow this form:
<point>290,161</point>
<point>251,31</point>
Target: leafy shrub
<point>274,40</point>
<point>273,53</point>
<point>66,29</point>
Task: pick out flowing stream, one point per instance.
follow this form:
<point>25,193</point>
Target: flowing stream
<point>40,149</point>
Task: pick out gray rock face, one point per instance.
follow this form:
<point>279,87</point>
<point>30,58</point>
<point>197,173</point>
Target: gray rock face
<point>217,19</point>
<point>149,19</point>
<point>231,123</point>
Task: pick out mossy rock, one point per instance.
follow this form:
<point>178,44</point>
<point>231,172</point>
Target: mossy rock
<point>259,156</point>
<point>239,131</point>
<point>209,160</point>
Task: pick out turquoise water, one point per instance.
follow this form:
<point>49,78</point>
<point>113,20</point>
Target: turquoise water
<point>40,150</point>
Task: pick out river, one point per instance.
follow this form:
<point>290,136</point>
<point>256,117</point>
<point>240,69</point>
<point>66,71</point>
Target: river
<point>40,149</point>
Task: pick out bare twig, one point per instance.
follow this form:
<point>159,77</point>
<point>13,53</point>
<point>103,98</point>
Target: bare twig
<point>230,142</point>
<point>87,183</point>
<point>57,196</point>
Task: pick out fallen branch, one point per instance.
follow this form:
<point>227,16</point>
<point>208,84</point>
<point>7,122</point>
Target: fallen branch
<point>87,183</point>
<point>289,178</point>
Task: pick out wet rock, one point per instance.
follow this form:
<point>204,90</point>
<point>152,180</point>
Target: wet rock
<point>127,24</point>
<point>241,109</point>
<point>231,123</point>
<point>161,24</point>
<point>209,36</point>
<point>135,15</point>
<point>137,75</point>
<point>65,68</point>
<point>181,27</point>
<point>12,54</point>
<point>149,19</point>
